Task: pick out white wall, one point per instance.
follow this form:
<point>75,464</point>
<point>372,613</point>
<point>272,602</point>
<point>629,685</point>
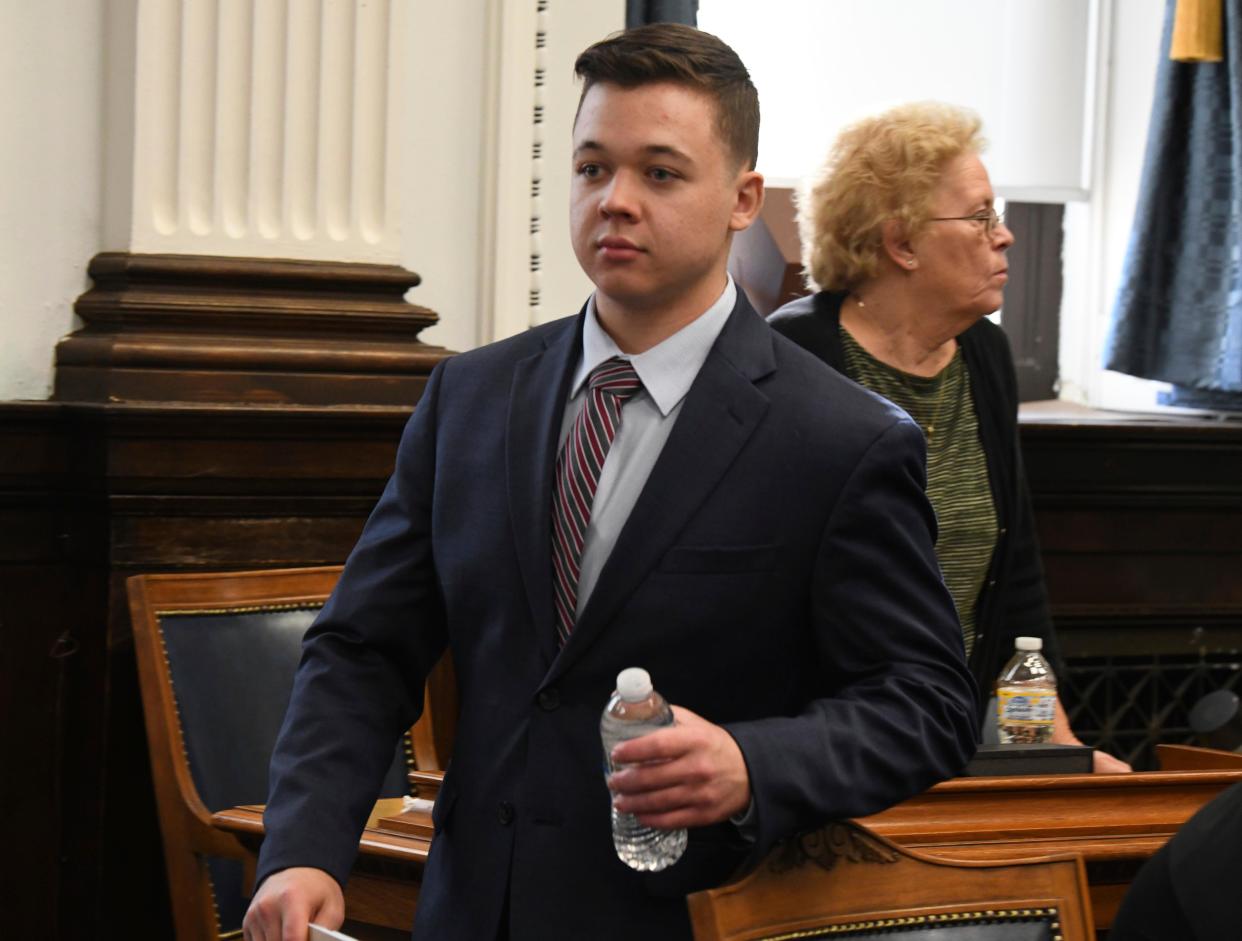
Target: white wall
<point>509,202</point>
<point>50,99</point>
<point>454,231</point>
<point>822,64</point>
<point>565,287</point>
<point>1097,232</point>
<point>442,166</point>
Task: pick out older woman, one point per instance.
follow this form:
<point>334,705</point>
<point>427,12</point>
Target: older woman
<point>907,251</point>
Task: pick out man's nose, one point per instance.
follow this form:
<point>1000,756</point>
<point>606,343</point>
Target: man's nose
<point>620,198</point>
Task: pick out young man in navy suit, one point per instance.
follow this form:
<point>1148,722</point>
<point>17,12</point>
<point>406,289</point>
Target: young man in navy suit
<point>753,531</point>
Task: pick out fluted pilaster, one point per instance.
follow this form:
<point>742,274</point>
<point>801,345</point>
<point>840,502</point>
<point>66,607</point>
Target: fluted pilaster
<point>263,128</point>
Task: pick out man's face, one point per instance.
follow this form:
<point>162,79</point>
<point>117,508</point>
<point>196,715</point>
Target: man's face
<point>655,196</point>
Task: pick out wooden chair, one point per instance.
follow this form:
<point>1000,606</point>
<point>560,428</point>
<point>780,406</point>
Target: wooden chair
<point>844,881</point>
<point>216,657</point>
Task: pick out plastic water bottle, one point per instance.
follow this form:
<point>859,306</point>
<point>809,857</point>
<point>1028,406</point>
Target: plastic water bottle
<point>634,710</point>
<point>1026,695</point>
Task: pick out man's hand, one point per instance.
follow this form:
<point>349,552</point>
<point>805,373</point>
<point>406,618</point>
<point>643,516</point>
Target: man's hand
<point>688,775</point>
<point>289,900</point>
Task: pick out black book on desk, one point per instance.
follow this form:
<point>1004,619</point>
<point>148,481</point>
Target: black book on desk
<point>1000,760</point>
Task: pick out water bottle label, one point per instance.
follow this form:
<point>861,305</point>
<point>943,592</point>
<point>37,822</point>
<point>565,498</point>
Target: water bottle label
<point>1036,706</point>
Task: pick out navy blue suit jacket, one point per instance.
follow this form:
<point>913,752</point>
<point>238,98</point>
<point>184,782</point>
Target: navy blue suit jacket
<point>776,576</point>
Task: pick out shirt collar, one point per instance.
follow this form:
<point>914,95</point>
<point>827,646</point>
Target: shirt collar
<point>669,368</point>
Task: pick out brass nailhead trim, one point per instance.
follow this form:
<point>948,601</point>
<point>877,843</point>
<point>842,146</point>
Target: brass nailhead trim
<point>908,921</point>
<point>243,609</point>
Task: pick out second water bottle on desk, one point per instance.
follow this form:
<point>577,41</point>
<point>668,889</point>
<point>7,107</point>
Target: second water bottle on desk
<point>634,710</point>
<point>1026,696</point>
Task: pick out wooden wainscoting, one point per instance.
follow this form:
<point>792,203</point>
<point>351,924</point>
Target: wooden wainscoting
<point>1140,524</point>
<point>90,494</point>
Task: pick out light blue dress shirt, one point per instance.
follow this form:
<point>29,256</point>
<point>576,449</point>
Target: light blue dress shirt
<point>667,371</point>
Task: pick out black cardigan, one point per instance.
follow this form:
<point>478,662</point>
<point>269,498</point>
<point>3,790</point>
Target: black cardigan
<point>1013,602</point>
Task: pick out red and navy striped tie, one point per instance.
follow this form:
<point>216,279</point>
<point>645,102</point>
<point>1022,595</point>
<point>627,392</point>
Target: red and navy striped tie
<point>609,387</point>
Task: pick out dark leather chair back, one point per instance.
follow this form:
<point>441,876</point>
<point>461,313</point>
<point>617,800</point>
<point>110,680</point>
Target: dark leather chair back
<point>232,674</point>
<point>217,655</point>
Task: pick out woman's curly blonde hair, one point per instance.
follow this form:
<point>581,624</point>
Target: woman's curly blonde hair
<point>880,168</point>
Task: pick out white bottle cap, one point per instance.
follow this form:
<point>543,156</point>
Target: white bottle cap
<point>634,684</point>
<point>1029,643</point>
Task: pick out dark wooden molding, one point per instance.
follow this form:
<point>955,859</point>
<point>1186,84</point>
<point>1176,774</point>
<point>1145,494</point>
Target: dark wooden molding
<point>1138,523</point>
<point>1190,463</point>
<point>182,328</point>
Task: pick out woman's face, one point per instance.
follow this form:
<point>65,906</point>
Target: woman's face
<point>961,267</point>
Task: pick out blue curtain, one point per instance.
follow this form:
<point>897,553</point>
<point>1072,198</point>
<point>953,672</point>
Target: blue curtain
<point>642,12</point>
<point>1178,316</point>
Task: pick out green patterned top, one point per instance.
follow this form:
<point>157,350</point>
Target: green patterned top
<point>957,472</point>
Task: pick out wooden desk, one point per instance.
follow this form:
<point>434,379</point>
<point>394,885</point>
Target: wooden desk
<point>1115,821</point>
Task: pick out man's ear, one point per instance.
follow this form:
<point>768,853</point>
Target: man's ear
<point>749,189</point>
<point>897,245</point>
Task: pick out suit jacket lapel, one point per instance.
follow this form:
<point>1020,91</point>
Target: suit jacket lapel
<point>536,408</point>
<point>719,414</point>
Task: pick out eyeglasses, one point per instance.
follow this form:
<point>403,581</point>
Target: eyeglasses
<point>989,217</point>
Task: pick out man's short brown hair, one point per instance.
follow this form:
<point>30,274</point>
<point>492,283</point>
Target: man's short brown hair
<point>670,52</point>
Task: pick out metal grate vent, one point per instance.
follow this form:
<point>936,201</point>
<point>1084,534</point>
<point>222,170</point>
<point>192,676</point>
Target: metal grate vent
<point>1127,705</point>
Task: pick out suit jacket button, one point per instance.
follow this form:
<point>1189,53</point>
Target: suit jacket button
<point>549,699</point>
<point>505,813</point>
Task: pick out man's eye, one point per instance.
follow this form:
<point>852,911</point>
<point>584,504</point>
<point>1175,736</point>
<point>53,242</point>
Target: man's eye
<point>589,170</point>
<point>660,175</point>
